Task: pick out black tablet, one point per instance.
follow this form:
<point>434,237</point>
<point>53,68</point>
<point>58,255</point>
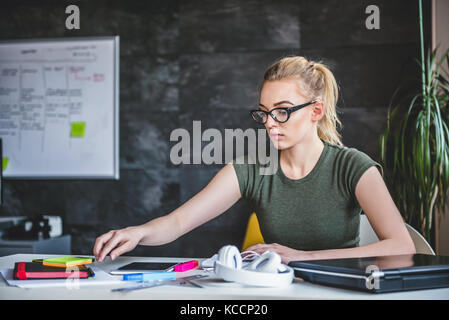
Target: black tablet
<point>138,267</point>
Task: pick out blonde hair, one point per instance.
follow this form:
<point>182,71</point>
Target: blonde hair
<point>315,80</point>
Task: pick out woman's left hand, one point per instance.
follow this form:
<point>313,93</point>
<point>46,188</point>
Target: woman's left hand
<point>287,254</point>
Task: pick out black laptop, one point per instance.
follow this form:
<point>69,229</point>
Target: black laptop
<point>378,274</point>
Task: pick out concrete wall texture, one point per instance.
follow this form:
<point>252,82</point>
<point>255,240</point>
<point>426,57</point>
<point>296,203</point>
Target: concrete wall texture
<point>182,61</point>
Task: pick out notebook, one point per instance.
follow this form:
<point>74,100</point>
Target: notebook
<point>36,270</point>
<point>378,274</point>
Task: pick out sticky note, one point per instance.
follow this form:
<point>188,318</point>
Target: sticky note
<point>78,129</point>
<point>4,163</point>
<point>66,261</point>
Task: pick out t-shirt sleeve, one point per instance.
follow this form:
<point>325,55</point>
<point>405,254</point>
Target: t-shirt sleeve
<point>244,170</point>
<point>357,162</point>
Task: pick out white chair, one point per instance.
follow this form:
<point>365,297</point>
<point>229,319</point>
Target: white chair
<point>367,236</point>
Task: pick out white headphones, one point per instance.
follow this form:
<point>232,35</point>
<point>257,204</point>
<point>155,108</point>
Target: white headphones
<point>265,271</point>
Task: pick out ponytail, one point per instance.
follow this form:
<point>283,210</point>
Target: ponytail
<point>327,126</point>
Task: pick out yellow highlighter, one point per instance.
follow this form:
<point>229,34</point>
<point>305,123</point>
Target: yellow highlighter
<point>67,261</point>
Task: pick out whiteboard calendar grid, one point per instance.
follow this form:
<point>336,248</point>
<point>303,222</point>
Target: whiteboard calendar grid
<point>59,108</point>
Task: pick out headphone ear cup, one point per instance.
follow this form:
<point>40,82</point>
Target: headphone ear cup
<point>268,262</point>
<point>230,257</point>
<point>269,267</point>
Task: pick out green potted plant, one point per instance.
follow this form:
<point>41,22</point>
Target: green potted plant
<point>415,144</point>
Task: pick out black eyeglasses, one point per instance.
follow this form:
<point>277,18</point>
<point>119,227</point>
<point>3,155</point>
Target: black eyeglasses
<point>278,114</point>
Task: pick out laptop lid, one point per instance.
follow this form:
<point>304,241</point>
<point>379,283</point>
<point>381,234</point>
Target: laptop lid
<point>388,265</point>
<point>378,274</point>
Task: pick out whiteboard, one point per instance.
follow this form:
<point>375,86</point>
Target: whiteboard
<point>59,108</point>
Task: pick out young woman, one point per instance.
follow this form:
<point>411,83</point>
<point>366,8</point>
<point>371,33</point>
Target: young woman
<point>310,207</point>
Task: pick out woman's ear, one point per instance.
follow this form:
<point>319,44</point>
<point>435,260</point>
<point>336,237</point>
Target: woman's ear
<point>318,110</point>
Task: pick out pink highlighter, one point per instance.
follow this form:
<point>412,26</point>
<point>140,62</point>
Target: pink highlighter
<point>185,266</point>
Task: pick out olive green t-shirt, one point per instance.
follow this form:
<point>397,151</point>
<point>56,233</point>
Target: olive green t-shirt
<point>319,211</point>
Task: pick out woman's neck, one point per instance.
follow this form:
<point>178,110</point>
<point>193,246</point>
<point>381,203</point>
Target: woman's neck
<point>299,160</point>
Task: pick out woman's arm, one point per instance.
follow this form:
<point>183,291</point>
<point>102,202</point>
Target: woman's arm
<point>219,195</point>
<point>375,200</point>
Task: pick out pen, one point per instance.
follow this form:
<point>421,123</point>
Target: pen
<point>150,276</point>
<point>143,286</point>
<point>152,284</point>
<point>192,283</point>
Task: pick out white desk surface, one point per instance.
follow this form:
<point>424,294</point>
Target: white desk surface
<point>214,288</point>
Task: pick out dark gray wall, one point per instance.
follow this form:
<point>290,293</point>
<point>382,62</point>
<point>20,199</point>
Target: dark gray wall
<point>182,61</point>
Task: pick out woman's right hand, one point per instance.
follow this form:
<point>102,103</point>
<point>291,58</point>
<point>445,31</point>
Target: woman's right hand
<point>117,242</point>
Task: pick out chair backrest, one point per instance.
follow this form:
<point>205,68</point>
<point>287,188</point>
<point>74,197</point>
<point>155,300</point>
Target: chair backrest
<point>253,235</point>
<point>367,236</point>
<point>421,245</point>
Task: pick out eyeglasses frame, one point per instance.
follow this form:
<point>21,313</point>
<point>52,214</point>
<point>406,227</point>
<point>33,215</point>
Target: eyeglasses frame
<point>289,111</point>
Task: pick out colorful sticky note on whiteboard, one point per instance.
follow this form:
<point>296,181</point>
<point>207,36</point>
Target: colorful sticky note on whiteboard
<point>77,130</point>
<point>5,162</point>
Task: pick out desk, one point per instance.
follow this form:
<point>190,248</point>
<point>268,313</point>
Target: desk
<point>215,289</point>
